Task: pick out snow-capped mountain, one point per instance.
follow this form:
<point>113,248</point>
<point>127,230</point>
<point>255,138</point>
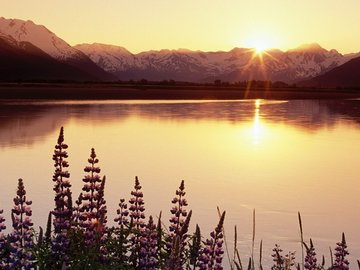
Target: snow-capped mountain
<point>19,31</point>
<point>39,36</point>
<point>109,62</point>
<point>346,75</point>
<point>110,58</point>
<point>24,61</point>
<point>238,64</point>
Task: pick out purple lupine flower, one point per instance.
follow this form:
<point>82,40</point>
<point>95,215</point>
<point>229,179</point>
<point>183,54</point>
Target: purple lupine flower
<point>21,238</point>
<point>212,254</point>
<point>122,214</point>
<point>289,260</point>
<point>176,258</point>
<point>310,258</point>
<point>178,211</point>
<point>76,216</point>
<point>2,240</point>
<point>148,247</point>
<point>178,217</point>
<point>137,206</point>
<point>122,233</point>
<point>277,258</point>
<point>92,217</point>
<point>341,263</point>
<point>63,209</point>
<point>137,216</point>
<point>2,227</point>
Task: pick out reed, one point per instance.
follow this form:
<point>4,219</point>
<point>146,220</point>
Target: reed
<point>302,241</point>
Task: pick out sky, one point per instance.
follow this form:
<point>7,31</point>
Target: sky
<point>208,25</point>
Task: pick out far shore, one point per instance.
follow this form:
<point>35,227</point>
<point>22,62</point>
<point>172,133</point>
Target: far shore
<point>101,91</point>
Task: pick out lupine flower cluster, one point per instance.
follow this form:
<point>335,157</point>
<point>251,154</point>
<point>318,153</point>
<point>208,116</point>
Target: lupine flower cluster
<point>277,258</point>
<point>341,263</point>
<point>81,239</point>
<point>93,205</point>
<point>137,206</point>
<point>122,214</point>
<point>176,240</point>
<point>282,262</point>
<point>148,247</point>
<point>310,258</point>
<point>90,213</point>
<point>21,238</point>
<point>63,209</point>
<point>2,239</point>
<point>137,223</point>
<point>212,254</point>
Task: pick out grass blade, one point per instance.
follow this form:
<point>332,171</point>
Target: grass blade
<point>302,241</point>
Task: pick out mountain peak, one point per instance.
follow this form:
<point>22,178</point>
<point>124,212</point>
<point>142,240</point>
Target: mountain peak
<point>313,47</point>
<point>38,35</point>
<point>99,47</point>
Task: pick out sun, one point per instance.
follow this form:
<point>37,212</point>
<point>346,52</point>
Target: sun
<point>260,48</point>
<point>260,42</point>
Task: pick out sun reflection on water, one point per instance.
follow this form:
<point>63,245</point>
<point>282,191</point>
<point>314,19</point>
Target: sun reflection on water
<point>258,129</point>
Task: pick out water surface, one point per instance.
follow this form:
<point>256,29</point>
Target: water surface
<point>278,157</point>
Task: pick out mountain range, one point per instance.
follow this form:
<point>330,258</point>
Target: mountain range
<point>32,52</point>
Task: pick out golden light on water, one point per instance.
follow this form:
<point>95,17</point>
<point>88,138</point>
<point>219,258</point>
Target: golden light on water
<point>258,128</point>
<point>279,157</point>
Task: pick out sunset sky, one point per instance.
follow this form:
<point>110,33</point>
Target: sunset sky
<point>209,25</point>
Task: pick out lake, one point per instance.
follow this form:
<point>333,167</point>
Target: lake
<point>278,157</point>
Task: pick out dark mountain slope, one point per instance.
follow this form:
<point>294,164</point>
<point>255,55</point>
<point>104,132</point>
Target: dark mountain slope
<point>346,75</point>
<point>24,61</point>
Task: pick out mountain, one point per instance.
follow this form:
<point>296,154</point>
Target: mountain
<point>24,61</point>
<point>346,75</point>
<point>34,52</point>
<point>16,33</point>
<point>239,64</point>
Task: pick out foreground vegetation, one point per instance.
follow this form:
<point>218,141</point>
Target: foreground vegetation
<point>77,235</point>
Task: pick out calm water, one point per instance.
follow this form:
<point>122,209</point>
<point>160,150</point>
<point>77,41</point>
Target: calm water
<point>276,157</point>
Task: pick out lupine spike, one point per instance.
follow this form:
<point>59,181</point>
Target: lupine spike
<point>21,238</point>
<point>122,214</point>
<point>148,247</point>
<point>176,259</point>
<point>177,220</point>
<point>310,257</point>
<point>277,257</point>
<point>137,221</point>
<point>174,262</point>
<point>178,211</point>
<point>341,262</point>
<point>212,254</point>
<point>2,240</point>
<point>121,238</point>
<point>91,207</point>
<point>63,210</point>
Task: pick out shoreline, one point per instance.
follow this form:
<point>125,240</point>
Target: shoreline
<point>106,91</point>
